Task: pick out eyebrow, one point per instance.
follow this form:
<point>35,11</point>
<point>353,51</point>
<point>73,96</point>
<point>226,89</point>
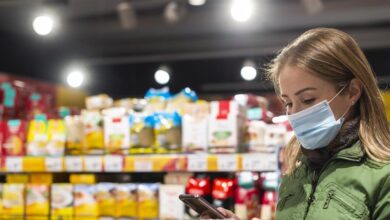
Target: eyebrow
<point>300,91</point>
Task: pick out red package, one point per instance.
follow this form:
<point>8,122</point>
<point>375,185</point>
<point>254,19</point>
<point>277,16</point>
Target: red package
<point>223,193</point>
<point>268,205</point>
<point>198,186</point>
<point>14,138</point>
<point>247,196</point>
<point>38,103</point>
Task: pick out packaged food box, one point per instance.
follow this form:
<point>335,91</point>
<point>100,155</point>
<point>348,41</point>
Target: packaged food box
<point>116,130</point>
<point>13,200</point>
<point>256,136</point>
<point>147,196</point>
<point>56,137</point>
<point>85,205</point>
<point>126,200</point>
<point>226,127</point>
<point>93,131</point>
<point>37,196</point>
<point>14,137</point>
<point>170,207</point>
<point>194,133</point>
<point>74,134</point>
<point>105,197</point>
<point>167,130</point>
<point>37,137</point>
<point>62,201</point>
<point>157,99</point>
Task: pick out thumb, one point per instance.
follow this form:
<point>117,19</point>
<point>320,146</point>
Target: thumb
<point>256,219</point>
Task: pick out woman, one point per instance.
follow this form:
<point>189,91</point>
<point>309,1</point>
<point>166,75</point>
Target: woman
<point>338,161</point>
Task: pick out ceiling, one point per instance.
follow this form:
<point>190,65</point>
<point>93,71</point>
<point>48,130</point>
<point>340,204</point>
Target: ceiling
<point>205,49</point>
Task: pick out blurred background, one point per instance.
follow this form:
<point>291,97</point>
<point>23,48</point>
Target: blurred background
<point>89,129</point>
<point>120,44</point>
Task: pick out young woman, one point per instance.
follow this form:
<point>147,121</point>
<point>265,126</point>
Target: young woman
<point>339,160</point>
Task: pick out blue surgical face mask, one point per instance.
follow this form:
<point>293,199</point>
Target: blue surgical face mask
<point>316,127</point>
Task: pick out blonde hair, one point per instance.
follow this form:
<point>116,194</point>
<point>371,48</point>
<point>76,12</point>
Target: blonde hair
<point>335,56</point>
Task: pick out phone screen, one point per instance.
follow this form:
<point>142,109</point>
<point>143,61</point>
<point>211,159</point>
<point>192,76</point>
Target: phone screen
<point>201,206</point>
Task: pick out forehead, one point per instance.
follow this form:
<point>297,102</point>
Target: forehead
<point>292,79</point>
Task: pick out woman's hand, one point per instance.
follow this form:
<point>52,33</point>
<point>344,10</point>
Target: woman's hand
<point>229,214</point>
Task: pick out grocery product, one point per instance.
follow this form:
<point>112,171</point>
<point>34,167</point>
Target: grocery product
<point>13,200</point>
<point>170,207</point>
<point>1,199</point>
<point>177,102</point>
<point>247,196</point>
<point>141,133</point>
<point>85,205</point>
<point>37,201</point>
<point>226,127</point>
<point>14,137</point>
<point>195,127</point>
<point>199,185</point>
<point>97,102</point>
<point>256,136</point>
<point>37,136</point>
<point>116,130</point>
<point>74,134</point>
<point>223,193</point>
<point>56,137</point>
<point>105,198</point>
<point>126,200</point>
<point>147,198</point>
<point>167,130</point>
<point>62,201</point>
<point>93,131</point>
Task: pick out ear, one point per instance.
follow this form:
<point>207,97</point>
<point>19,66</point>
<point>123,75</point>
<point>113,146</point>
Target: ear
<point>355,90</point>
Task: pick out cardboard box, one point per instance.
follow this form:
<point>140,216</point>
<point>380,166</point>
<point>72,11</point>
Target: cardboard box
<point>171,208</point>
<point>14,137</point>
<point>93,131</point>
<point>226,127</point>
<point>116,130</point>
<point>37,138</point>
<point>62,201</point>
<point>56,137</point>
<point>126,200</point>
<point>194,134</point>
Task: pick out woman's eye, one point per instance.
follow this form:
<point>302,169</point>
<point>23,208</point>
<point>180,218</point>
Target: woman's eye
<point>308,101</point>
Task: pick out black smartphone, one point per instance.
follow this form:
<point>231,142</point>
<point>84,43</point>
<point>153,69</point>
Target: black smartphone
<point>201,206</point>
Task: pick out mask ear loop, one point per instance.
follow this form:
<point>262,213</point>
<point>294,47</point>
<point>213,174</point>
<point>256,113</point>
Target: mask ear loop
<point>346,111</point>
<point>341,90</point>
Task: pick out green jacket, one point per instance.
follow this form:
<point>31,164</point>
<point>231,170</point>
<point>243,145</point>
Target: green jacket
<point>350,186</point>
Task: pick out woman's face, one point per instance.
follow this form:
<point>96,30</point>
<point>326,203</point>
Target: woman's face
<point>300,90</point>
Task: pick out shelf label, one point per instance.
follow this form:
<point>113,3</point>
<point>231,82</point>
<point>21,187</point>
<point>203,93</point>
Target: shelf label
<point>14,164</point>
<point>93,163</point>
<point>53,164</point>
<point>197,162</point>
<point>74,163</point>
<point>227,163</point>
<point>259,162</point>
<point>143,164</point>
<point>113,163</point>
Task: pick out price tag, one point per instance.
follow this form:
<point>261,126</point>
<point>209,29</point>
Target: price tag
<point>74,164</point>
<point>14,164</point>
<point>227,163</point>
<point>53,164</point>
<point>259,162</point>
<point>197,162</point>
<point>93,163</point>
<point>143,165</point>
<point>113,163</point>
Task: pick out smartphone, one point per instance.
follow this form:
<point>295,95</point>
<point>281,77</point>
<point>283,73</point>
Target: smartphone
<point>201,206</point>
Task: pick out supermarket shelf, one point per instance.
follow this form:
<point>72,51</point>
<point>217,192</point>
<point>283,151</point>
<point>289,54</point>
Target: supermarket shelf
<point>143,163</point>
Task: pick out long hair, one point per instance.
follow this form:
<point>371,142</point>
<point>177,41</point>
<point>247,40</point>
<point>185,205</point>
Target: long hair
<point>336,57</point>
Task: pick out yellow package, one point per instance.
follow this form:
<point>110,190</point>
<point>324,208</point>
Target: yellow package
<point>37,137</point>
<point>42,178</point>
<point>74,134</point>
<point>17,178</point>
<point>167,130</point>
<point>13,200</point>
<point>93,131</point>
<point>82,178</point>
<point>1,200</point>
<point>147,196</point>
<point>85,205</point>
<point>37,196</point>
<point>62,201</point>
<point>126,200</point>
<point>105,198</point>
<point>141,133</point>
<point>56,137</point>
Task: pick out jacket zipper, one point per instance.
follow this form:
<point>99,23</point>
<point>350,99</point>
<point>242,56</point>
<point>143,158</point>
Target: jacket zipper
<point>283,201</point>
<point>331,195</point>
<point>313,190</point>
